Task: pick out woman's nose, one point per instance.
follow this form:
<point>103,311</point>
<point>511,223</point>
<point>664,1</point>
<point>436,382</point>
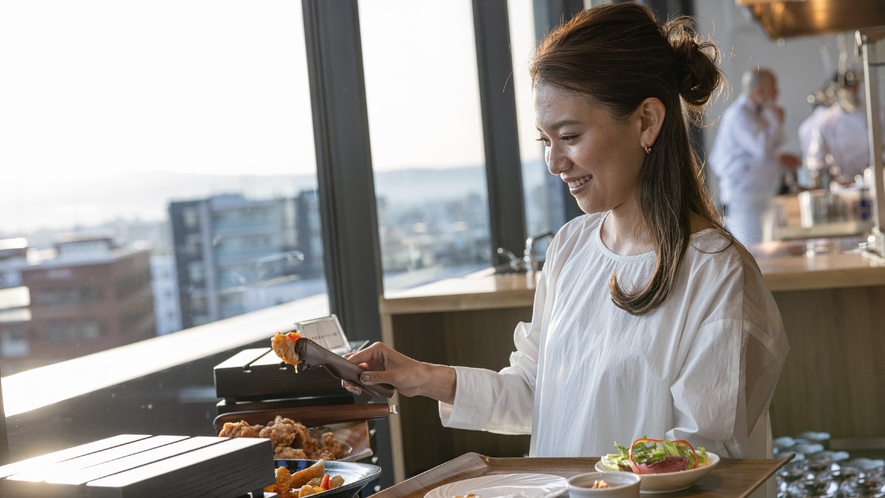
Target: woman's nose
<point>555,161</point>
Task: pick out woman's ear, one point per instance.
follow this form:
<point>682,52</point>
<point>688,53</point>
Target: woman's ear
<point>651,114</point>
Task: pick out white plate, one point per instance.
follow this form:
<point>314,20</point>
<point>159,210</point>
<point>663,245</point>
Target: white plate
<point>671,481</point>
<point>505,485</point>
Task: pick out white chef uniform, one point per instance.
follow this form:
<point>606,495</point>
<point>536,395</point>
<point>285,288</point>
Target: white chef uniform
<point>806,129</point>
<point>744,158</point>
<point>845,137</point>
<point>586,373</point>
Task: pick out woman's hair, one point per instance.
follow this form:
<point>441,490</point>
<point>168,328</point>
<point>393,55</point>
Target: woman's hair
<point>617,55</point>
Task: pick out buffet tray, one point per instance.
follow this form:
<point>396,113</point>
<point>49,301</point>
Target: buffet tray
<point>142,466</point>
<point>731,478</point>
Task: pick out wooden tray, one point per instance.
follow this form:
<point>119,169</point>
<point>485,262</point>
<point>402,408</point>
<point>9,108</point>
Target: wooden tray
<point>141,466</point>
<point>731,478</point>
<point>310,416</point>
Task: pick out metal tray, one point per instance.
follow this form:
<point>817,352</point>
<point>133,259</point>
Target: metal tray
<point>356,475</point>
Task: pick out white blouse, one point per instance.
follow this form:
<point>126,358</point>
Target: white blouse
<point>586,374</point>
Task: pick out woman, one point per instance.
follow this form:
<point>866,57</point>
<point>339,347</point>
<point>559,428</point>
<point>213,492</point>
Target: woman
<point>649,319</point>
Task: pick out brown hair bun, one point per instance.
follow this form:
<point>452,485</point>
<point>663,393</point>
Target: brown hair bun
<point>697,73</point>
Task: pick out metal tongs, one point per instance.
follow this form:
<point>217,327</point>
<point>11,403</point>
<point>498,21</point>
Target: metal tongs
<point>312,355</point>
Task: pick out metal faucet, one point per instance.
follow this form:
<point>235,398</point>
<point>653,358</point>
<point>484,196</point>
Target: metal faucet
<point>529,259</point>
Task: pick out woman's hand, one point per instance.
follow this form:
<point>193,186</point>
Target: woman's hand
<point>410,377</point>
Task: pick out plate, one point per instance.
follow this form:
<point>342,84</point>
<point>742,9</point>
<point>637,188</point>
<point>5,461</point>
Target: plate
<point>505,485</point>
<point>353,436</point>
<point>356,475</point>
<point>671,481</point>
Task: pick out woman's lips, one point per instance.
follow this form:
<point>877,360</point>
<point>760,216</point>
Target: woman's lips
<point>578,184</point>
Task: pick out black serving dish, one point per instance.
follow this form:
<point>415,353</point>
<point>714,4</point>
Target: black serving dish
<point>356,475</point>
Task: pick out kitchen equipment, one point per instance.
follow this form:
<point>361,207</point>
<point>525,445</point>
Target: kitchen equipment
<point>143,466</point>
<point>257,378</point>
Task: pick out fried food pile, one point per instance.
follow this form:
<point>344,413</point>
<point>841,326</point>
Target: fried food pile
<point>309,481</point>
<point>291,440</point>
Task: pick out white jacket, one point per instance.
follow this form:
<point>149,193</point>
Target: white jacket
<point>744,154</point>
<point>586,374</point>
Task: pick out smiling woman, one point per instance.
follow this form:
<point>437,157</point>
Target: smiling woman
<point>648,317</point>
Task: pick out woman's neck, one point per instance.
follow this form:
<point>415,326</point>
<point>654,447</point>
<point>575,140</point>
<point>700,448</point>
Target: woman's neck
<point>625,234</point>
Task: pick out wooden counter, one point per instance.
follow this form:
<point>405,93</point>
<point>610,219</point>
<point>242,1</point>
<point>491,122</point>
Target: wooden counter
<point>830,302</point>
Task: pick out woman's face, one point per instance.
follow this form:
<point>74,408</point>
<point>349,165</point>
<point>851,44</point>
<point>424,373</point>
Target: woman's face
<point>598,156</point>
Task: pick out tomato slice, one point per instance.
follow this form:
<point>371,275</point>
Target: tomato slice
<point>325,483</point>
<point>294,336</point>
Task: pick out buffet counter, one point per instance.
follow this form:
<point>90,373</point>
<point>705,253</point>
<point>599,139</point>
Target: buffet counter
<point>829,293</point>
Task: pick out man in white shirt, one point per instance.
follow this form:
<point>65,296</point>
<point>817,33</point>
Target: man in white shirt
<point>745,155</point>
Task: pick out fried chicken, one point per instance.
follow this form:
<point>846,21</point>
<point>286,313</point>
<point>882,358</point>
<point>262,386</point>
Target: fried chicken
<point>282,431</point>
<point>289,453</point>
<point>284,347</point>
<point>291,440</point>
<point>332,445</point>
<point>240,429</point>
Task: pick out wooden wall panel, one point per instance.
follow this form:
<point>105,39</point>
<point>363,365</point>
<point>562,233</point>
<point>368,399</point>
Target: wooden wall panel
<point>483,339</point>
<point>834,376</point>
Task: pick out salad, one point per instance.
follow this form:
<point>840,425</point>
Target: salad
<point>655,456</point>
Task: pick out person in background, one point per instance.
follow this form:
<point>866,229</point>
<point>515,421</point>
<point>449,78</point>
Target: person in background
<point>840,142</point>
<point>745,156</point>
<point>648,318</point>
<point>821,100</point>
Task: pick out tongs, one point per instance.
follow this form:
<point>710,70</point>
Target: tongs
<point>312,355</point>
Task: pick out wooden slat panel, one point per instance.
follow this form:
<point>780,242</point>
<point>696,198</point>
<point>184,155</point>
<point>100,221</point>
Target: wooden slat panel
<point>228,469</point>
<point>168,466</point>
<point>45,472</point>
<point>67,454</point>
<point>82,476</point>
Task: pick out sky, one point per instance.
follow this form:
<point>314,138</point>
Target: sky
<point>92,88</point>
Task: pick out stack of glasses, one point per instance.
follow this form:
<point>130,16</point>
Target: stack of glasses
<point>816,471</point>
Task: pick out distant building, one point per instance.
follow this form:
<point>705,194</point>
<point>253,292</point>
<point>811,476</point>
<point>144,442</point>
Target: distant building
<point>82,296</point>
<point>13,256</point>
<point>228,246</point>
<point>167,308</point>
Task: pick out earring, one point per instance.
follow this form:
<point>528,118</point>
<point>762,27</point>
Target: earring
<point>647,149</point>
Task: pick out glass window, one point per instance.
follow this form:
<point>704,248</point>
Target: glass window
<point>543,192</point>
<point>174,134</point>
<point>427,140</point>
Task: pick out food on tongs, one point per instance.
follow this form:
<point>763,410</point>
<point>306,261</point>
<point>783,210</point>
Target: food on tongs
<point>284,346</point>
<point>309,481</point>
<point>291,440</point>
<point>306,354</point>
<point>655,456</point>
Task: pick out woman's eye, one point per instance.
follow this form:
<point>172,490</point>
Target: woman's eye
<point>543,141</point>
<point>567,138</point>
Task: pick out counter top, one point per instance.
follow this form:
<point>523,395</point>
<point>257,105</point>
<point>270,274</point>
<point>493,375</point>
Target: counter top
<point>786,266</point>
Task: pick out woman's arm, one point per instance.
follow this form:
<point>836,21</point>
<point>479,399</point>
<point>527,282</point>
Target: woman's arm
<point>408,376</point>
